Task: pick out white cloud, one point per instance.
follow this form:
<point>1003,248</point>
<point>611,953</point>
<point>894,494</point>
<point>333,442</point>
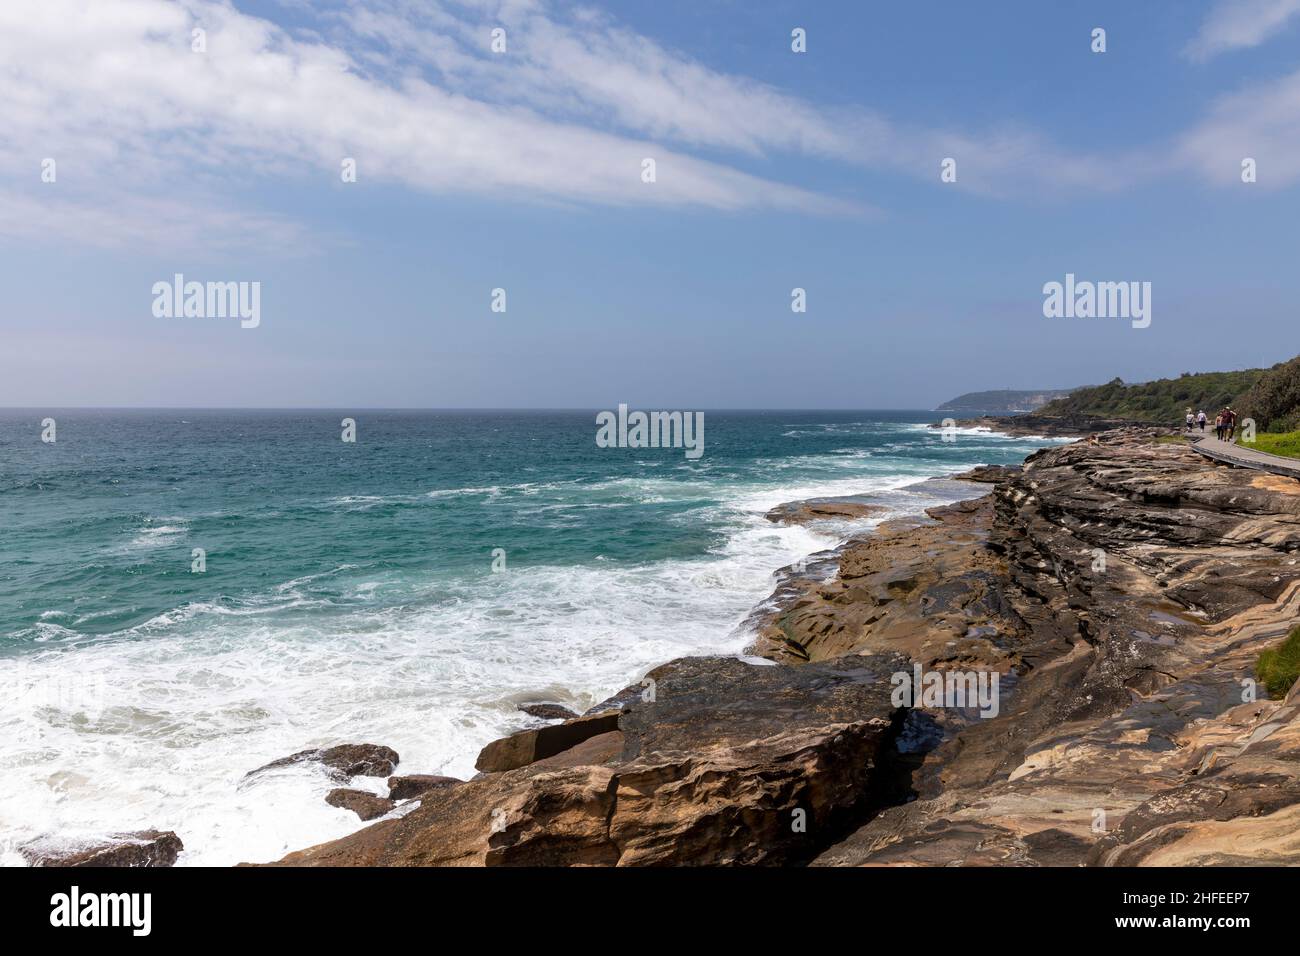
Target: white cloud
<point>589,69</point>
<point>113,89</point>
<point>146,131</point>
<point>1238,24</point>
<point>110,217</point>
<point>1261,122</point>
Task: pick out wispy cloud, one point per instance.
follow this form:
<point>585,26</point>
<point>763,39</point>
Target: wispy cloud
<point>1239,24</point>
<point>587,68</point>
<point>158,143</point>
<point>110,217</point>
<point>1261,122</point>
<point>114,90</point>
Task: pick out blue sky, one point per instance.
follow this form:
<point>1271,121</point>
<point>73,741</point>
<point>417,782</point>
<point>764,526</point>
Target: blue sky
<point>521,170</point>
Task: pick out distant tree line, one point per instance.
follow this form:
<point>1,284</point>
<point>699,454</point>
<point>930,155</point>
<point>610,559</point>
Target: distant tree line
<point>1165,400</point>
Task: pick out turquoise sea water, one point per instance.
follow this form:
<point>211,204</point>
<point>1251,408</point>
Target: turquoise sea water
<point>411,588</point>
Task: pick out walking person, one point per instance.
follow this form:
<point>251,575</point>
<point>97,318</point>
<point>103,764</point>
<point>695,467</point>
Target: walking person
<point>1200,419</point>
<point>1218,426</point>
<point>1229,422</point>
<point>1190,419</point>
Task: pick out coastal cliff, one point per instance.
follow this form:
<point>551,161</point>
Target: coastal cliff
<point>1120,587</point>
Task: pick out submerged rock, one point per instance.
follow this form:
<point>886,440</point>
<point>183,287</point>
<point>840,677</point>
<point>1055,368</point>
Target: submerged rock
<point>342,762</point>
<point>822,509</point>
<point>548,711</point>
<point>364,804</point>
<point>141,848</point>
<point>1033,425</point>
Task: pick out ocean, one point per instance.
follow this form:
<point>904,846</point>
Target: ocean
<point>410,588</point>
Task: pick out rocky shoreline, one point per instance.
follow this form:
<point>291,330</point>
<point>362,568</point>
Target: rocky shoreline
<point>1033,425</point>
<point>1120,589</point>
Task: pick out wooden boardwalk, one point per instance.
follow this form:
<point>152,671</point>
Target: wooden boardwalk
<point>1243,456</point>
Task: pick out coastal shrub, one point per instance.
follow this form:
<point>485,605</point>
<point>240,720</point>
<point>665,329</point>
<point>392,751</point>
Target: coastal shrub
<point>1163,401</point>
<point>1274,400</point>
<point>1278,667</point>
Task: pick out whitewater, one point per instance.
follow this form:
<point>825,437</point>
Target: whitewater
<point>351,594</point>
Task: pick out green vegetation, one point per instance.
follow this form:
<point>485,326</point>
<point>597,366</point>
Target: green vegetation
<point>1279,667</point>
<point>1164,401</point>
<point>1287,445</point>
<point>1274,400</point>
<point>1172,440</point>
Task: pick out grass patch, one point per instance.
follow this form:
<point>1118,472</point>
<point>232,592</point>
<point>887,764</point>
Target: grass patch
<point>1286,445</point>
<point>1278,667</point>
<point>1172,440</point>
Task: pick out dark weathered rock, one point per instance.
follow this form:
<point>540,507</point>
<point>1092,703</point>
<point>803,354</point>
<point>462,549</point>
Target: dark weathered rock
<point>933,591</point>
<point>521,749</point>
<point>142,848</point>
<point>404,788</point>
<point>702,702</point>
<point>548,711</point>
<point>822,509</point>
<point>364,804</point>
<point>716,764</point>
<point>1139,586</point>
<point>989,474</point>
<point>342,762</point>
<point>601,750</point>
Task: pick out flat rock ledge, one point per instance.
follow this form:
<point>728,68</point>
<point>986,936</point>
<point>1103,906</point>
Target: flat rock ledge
<point>822,509</point>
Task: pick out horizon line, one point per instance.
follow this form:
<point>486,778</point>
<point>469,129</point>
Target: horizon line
<point>447,408</point>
